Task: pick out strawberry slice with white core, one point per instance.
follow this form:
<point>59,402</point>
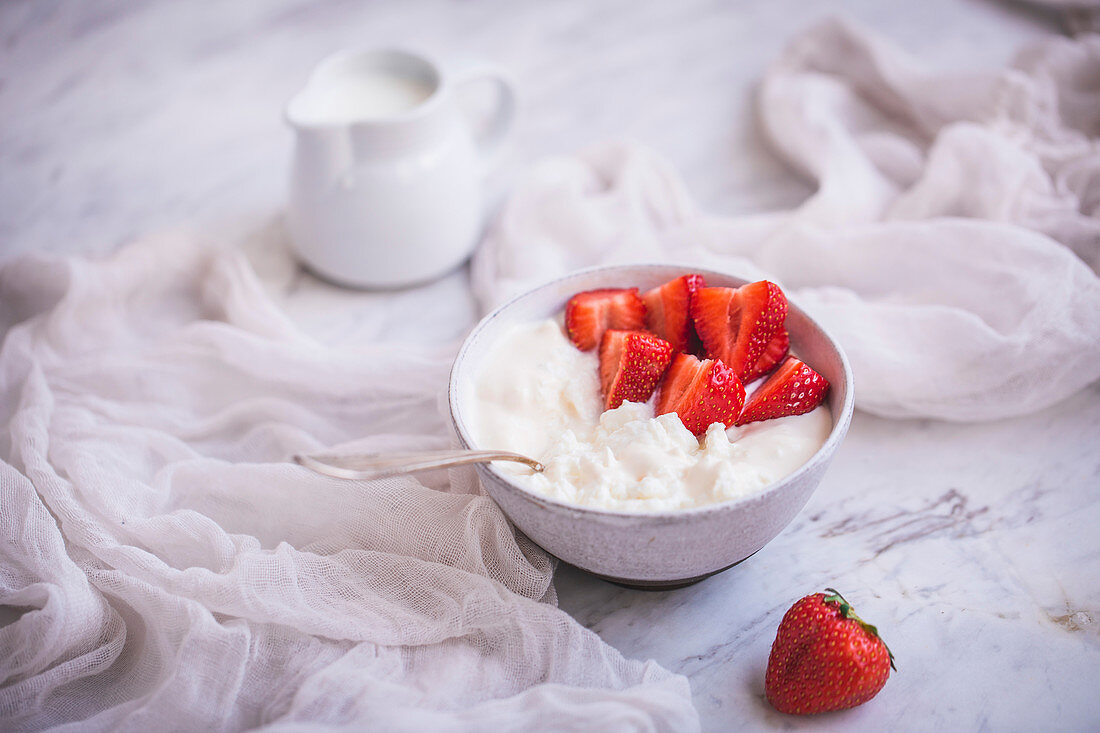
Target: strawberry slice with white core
<point>794,389</point>
<point>631,365</point>
<point>739,325</point>
<point>701,392</point>
<point>774,352</point>
<point>589,314</point>
<point>668,310</point>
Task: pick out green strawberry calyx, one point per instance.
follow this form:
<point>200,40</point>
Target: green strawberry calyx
<point>846,611</point>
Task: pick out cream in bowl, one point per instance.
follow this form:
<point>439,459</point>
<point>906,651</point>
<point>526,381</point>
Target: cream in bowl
<point>631,494</point>
<point>540,396</point>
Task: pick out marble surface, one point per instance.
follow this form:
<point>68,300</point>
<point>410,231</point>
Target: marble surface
<point>973,547</point>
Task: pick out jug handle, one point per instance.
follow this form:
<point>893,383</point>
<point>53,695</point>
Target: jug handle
<point>490,139</point>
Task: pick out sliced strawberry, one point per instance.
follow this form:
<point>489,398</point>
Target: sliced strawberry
<point>795,388</point>
<point>589,314</point>
<point>701,393</point>
<point>737,326</point>
<point>710,311</point>
<point>668,310</point>
<point>774,352</point>
<point>681,373</point>
<point>631,364</point>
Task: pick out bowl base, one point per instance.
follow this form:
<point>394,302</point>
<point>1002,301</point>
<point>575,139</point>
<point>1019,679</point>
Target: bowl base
<point>654,585</point>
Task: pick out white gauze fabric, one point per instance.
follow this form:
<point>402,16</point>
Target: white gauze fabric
<point>163,565</point>
<point>952,244</point>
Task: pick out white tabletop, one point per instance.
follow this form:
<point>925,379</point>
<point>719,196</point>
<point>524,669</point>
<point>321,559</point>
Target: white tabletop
<point>971,546</point>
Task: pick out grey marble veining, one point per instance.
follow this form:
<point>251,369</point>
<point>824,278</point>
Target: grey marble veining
<point>973,547</point>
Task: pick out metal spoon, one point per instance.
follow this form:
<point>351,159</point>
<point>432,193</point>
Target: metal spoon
<point>362,467</point>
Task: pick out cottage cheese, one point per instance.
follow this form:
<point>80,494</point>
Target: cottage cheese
<point>539,396</point>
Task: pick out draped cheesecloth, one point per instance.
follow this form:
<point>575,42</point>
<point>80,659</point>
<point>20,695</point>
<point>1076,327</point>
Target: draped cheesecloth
<point>163,565</point>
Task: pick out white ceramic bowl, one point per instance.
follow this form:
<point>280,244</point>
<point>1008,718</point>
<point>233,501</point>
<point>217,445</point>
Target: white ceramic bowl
<point>657,549</point>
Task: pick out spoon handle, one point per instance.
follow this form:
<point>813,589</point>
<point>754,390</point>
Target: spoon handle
<point>365,466</point>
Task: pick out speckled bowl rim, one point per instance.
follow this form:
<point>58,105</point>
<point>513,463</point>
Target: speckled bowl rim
<point>822,455</point>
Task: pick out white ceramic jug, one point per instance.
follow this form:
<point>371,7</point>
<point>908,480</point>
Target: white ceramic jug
<point>386,183</point>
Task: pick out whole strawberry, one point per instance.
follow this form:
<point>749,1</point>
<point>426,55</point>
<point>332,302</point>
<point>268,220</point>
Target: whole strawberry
<point>825,658</point>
